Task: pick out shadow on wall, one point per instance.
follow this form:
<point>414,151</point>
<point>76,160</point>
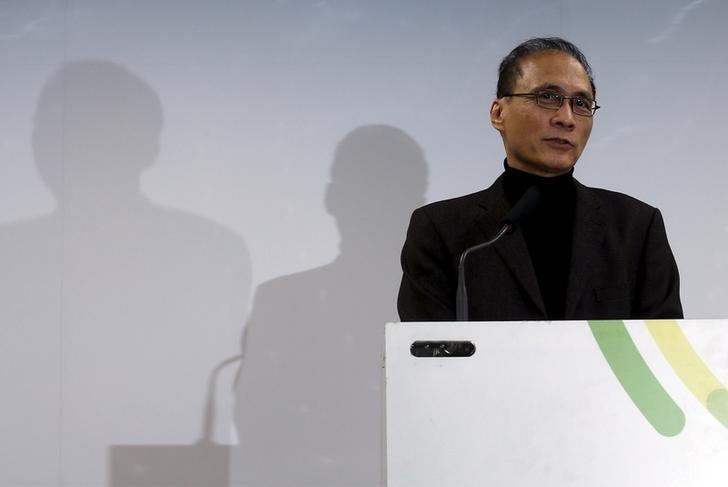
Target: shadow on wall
<point>308,395</point>
<point>133,303</point>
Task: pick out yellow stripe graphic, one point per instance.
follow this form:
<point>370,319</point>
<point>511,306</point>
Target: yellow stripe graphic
<point>691,369</point>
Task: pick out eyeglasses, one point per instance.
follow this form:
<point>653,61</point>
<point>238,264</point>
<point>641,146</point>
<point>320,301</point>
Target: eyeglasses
<point>551,100</point>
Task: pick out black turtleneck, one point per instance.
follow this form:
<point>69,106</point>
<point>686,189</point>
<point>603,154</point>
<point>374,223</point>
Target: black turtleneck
<point>548,232</point>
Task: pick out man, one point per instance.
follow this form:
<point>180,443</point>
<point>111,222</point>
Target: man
<point>584,253</point>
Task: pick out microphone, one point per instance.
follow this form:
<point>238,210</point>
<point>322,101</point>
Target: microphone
<point>518,215</point>
<point>523,208</point>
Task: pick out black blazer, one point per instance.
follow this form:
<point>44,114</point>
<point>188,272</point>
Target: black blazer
<point>621,263</point>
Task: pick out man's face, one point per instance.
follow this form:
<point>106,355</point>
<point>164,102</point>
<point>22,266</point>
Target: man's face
<point>538,140</point>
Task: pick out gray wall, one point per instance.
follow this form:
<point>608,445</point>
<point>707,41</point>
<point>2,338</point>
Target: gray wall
<point>202,205</point>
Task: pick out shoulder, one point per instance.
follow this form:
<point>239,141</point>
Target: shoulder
<point>463,208</point>
<point>447,207</point>
<point>450,225</point>
<point>624,217</point>
<point>616,203</point>
<point>451,219</point>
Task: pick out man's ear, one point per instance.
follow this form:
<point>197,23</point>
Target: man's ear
<point>496,114</point>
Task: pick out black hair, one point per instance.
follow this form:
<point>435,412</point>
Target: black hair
<point>510,70</point>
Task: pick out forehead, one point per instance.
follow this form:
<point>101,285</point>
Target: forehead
<point>552,68</point>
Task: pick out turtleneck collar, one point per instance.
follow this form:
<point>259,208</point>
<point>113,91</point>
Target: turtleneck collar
<point>556,188</point>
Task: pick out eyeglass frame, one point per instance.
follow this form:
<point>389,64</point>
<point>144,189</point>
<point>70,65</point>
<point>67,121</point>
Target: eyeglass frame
<point>561,97</point>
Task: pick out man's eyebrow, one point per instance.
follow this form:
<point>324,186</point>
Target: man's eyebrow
<point>557,88</point>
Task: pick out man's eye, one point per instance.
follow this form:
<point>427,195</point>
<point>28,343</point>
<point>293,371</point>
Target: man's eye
<point>581,102</point>
<point>548,96</point>
<point>549,99</point>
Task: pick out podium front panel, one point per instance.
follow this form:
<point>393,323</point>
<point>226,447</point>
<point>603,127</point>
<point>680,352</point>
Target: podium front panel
<point>578,403</point>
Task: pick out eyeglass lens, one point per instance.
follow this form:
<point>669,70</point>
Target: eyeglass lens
<point>580,105</point>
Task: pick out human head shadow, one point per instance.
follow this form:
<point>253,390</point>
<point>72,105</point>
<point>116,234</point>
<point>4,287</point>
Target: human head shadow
<point>141,299</point>
<point>97,127</point>
<point>308,395</point>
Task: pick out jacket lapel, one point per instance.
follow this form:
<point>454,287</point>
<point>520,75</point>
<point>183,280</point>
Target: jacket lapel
<point>511,248</point>
<point>589,230</point>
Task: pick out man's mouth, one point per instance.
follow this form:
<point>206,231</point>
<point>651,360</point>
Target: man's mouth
<point>559,141</point>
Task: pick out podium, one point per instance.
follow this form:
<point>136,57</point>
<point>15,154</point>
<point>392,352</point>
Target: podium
<point>573,403</point>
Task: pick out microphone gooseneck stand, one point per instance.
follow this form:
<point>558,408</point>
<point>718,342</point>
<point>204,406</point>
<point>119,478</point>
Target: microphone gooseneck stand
<point>518,214</point>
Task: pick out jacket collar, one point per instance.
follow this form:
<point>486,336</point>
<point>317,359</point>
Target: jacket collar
<point>511,247</point>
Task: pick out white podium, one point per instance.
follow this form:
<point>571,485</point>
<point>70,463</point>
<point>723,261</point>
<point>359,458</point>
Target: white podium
<point>635,403</point>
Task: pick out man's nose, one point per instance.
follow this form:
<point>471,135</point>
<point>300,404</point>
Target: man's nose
<point>564,116</point>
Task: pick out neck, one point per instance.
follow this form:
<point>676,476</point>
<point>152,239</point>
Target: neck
<point>559,187</point>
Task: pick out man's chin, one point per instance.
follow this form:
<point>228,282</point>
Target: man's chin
<point>549,168</point>
<point>557,168</point>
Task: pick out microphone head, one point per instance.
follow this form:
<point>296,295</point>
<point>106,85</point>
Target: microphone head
<point>523,208</point>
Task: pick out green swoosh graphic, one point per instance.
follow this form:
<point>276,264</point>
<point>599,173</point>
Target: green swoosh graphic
<point>636,378</point>
<point>691,369</point>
